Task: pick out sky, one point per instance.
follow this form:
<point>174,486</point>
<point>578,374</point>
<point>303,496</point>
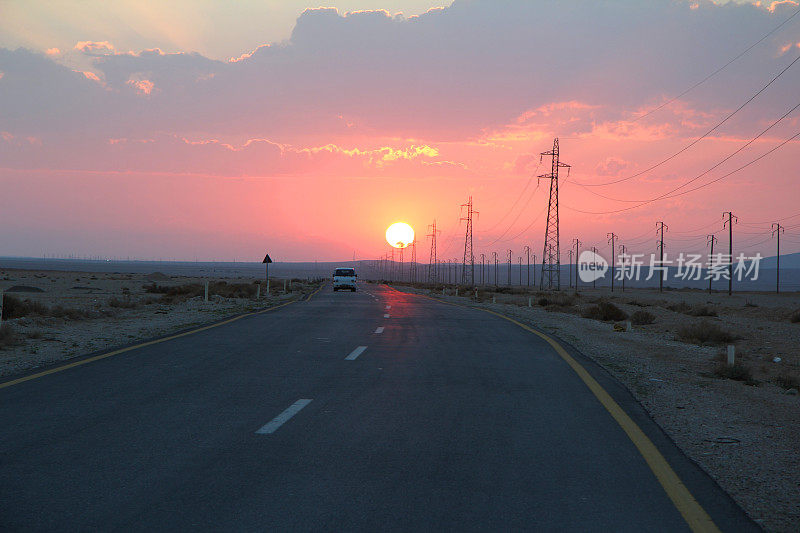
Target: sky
<point>221,130</point>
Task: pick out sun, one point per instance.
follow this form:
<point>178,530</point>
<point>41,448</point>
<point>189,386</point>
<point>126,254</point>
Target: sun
<point>400,235</point>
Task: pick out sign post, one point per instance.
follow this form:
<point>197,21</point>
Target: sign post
<point>267,260</point>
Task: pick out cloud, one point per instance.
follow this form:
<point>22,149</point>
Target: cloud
<point>53,52</point>
<point>95,47</point>
<point>612,166</point>
<point>471,71</point>
<point>143,87</point>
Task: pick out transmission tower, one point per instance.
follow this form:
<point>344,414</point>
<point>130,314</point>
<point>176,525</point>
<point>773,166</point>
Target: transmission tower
<point>432,264</point>
<point>551,256</point>
<point>469,256</point>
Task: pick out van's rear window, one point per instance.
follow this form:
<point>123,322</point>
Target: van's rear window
<point>344,272</point>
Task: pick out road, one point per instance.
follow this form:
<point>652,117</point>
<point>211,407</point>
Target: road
<point>375,410</point>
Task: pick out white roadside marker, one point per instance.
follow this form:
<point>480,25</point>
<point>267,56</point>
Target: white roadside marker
<point>282,418</point>
<point>379,329</point>
<point>388,307</point>
<point>355,353</point>
<point>386,315</point>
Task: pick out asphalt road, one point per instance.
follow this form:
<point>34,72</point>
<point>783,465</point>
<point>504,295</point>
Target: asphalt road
<point>449,419</point>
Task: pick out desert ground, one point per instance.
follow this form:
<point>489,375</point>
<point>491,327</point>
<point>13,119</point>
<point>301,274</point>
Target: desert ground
<point>741,424</point>
<point>51,316</point>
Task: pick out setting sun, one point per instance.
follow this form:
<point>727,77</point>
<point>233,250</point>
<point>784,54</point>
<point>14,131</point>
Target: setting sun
<point>400,235</point>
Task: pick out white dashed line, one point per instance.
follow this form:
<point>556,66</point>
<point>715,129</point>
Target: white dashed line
<point>355,353</point>
<point>282,418</point>
<point>379,330</point>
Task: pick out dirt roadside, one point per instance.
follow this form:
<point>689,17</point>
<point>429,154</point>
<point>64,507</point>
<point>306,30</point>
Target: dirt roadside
<point>69,314</point>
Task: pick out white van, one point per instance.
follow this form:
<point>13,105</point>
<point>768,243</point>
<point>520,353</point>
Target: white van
<point>344,278</point>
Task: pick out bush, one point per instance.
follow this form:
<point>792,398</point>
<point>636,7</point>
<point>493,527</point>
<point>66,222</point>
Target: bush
<point>125,303</point>
<point>177,293</point>
<point>701,310</point>
<point>605,311</point>
<point>705,332</point>
<point>542,301</point>
<point>7,336</point>
<point>737,372</point>
<point>641,318</point>
<point>788,381</point>
<point>795,318</point>
<point>13,307</point>
<point>681,307</point>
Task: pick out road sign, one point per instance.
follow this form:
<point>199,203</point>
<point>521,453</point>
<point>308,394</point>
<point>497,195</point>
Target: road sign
<point>267,259</point>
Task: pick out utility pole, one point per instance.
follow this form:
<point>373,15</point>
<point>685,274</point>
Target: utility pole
<point>551,256</point>
<point>528,275</point>
<point>400,271</point>
<point>622,253</point>
<point>520,270</point>
<point>432,264</point>
<point>413,270</point>
<point>509,267</point>
<point>577,244</point>
<point>729,223</point>
<point>711,240</point>
<point>661,226</point>
<point>777,229</point>
<point>469,256</point>
<point>570,267</point>
<point>594,258</point>
<point>495,268</point>
<point>611,236</point>
<point>483,257</point>
<point>534,269</point>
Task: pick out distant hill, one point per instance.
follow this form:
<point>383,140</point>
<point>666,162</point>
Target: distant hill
<point>787,261</point>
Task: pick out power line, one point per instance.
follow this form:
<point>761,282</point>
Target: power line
<point>716,165</point>
<point>720,69</point>
<point>706,134</point>
<point>670,195</point>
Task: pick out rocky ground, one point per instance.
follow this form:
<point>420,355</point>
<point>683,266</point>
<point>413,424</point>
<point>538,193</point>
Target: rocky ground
<point>745,432</point>
<point>68,314</point>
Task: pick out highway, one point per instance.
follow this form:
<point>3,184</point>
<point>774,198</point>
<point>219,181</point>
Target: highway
<point>374,410</point>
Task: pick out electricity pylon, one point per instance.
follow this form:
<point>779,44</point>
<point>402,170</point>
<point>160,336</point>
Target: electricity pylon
<point>432,264</point>
<point>469,256</point>
<point>551,256</point>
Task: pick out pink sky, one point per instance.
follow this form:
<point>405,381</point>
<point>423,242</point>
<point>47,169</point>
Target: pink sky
<point>311,145</point>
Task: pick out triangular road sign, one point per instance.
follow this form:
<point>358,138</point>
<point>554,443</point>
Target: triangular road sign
<point>267,259</point>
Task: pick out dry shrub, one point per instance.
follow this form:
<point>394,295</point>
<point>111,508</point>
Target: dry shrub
<point>125,303</point>
<point>605,311</point>
<point>68,313</point>
<point>701,310</point>
<point>705,332</point>
<point>179,293</point>
<point>640,318</point>
<point>795,317</point>
<point>681,307</point>
<point>13,307</point>
<point>7,336</point>
<point>787,380</point>
<point>737,372</point>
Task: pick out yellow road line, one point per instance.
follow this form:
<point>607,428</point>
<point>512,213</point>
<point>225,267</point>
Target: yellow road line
<point>696,517</point>
<point>142,345</point>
